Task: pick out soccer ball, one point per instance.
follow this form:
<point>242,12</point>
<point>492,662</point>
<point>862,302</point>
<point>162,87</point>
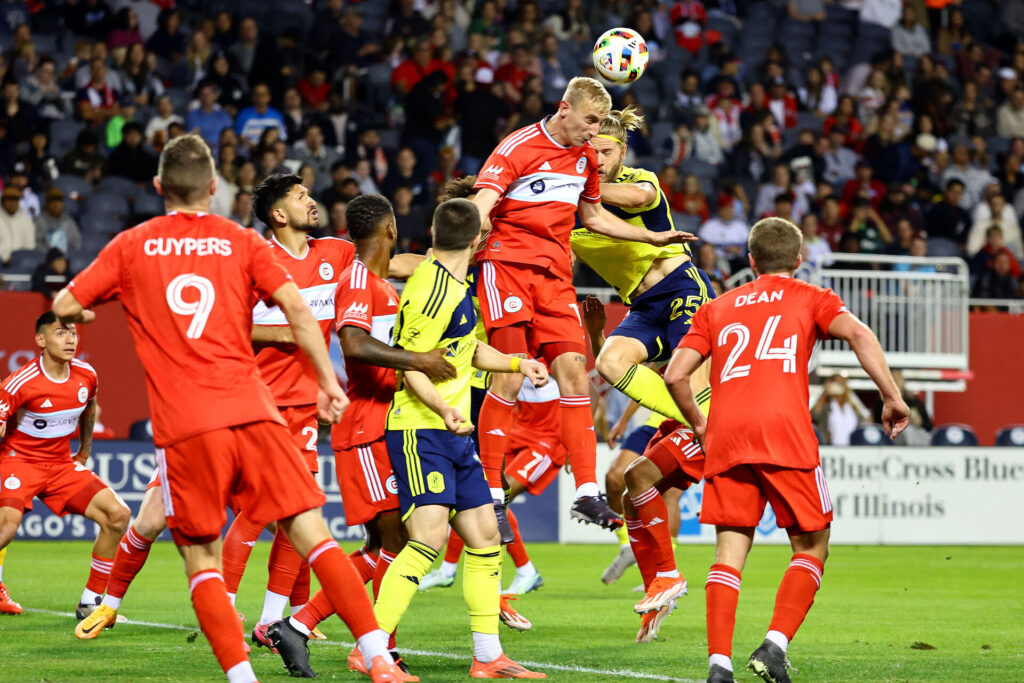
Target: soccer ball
<point>620,55</point>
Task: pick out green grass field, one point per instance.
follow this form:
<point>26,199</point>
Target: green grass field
<point>884,613</point>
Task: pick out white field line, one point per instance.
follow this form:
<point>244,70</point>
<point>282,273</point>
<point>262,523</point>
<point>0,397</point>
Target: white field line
<point>621,673</point>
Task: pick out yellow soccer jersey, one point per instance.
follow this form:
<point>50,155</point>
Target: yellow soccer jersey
<point>621,263</point>
<point>435,312</point>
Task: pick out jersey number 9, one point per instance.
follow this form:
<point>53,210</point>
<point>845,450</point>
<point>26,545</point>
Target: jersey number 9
<point>199,309</point>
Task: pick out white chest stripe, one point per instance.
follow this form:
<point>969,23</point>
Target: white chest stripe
<point>383,327</point>
<point>547,187</point>
<point>50,425</point>
<point>320,300</point>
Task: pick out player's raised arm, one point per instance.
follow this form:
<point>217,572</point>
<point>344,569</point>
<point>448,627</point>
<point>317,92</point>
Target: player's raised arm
<point>849,328</point>
<point>488,358</point>
<point>485,200</point>
<point>598,219</point>
<point>357,344</point>
<point>401,265</point>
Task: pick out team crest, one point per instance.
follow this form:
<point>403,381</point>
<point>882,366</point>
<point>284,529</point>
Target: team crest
<point>12,483</point>
<point>391,484</point>
<point>581,164</point>
<point>83,394</point>
<point>435,482</point>
<point>326,271</point>
<point>513,304</point>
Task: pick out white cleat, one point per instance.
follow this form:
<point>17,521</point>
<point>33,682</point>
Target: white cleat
<point>521,585</point>
<point>436,579</point>
<point>623,561</point>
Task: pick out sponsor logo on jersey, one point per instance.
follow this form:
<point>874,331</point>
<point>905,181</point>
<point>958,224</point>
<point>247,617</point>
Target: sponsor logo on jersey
<point>4,408</point>
<point>12,483</point>
<point>187,246</point>
<point>492,171</point>
<point>391,484</point>
<point>39,423</point>
<point>326,271</point>
<point>47,404</point>
<point>545,167</point>
<point>581,164</point>
<point>83,395</point>
<point>513,304</point>
<point>357,310</point>
<point>537,186</point>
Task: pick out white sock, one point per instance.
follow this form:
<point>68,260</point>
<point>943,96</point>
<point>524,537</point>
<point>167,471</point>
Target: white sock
<point>295,608</point>
<point>273,607</point>
<point>241,673</point>
<point>298,626</point>
<point>527,571</point>
<point>449,568</point>
<point>674,574</point>
<point>231,597</point>
<point>374,644</point>
<point>588,489</point>
<point>498,495</point>
<point>112,602</point>
<point>89,598</point>
<point>778,638</point>
<point>720,660</point>
<point>486,647</point>
<point>1,573</point>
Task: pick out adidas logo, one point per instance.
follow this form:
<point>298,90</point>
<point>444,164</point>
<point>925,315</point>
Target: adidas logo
<point>251,544</point>
<point>656,521</point>
<point>545,167</point>
<point>676,440</point>
<point>391,301</point>
<point>46,404</point>
<point>496,432</point>
<point>124,546</point>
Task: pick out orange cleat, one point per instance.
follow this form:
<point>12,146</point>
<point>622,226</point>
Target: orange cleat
<point>356,663</point>
<point>502,667</point>
<point>662,591</point>
<point>510,617</point>
<point>382,672</point>
<point>317,634</point>
<point>8,606</point>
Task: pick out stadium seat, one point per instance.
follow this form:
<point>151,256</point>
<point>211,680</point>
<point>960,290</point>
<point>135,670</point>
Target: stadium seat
<point>868,435</point>
<point>940,246</point>
<point>25,260</point>
<point>73,184</point>
<point>123,187</point>
<point>141,430</point>
<point>93,223</point>
<point>1011,436</point>
<point>107,204</point>
<point>954,435</point>
<point>148,205</point>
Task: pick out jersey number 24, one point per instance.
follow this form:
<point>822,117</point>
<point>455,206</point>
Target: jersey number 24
<point>764,351</point>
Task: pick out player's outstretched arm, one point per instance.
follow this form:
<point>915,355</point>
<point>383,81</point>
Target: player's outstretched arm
<point>68,310</point>
<point>488,358</point>
<point>594,321</point>
<point>598,219</point>
<point>272,334</point>
<point>310,339</point>
<point>423,389</point>
<point>400,266</point>
<point>684,363</point>
<point>485,200</point>
<point>629,195</point>
<point>86,423</point>
<point>849,328</point>
<point>357,344</point>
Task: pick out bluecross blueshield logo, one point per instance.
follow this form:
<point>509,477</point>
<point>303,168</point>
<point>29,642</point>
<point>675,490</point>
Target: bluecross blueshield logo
<point>689,509</point>
<point>767,524</point>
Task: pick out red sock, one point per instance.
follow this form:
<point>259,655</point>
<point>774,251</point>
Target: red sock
<point>283,565</point>
<point>796,593</point>
<point>217,617</point>
<point>653,512</point>
<point>343,586</point>
<point>316,610</point>
<point>99,574</point>
<point>495,426</point>
<point>132,552</point>
<point>300,591</point>
<point>576,427</point>
<point>384,560</point>
<point>365,563</point>
<point>643,550</point>
<point>516,549</point>
<point>722,592</point>
<point>455,546</point>
<point>238,543</point>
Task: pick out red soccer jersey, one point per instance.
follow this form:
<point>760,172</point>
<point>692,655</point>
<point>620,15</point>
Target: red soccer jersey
<point>284,367</point>
<point>536,418</point>
<point>186,284</point>
<point>760,337</point>
<point>370,303</point>
<point>541,183</point>
<point>45,411</point>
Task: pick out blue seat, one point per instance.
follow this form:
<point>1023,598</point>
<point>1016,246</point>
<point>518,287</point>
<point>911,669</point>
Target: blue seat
<point>141,430</point>
<point>107,204</point>
<point>1011,436</point>
<point>940,246</point>
<point>148,205</point>
<point>73,184</point>
<point>25,260</point>
<point>954,435</point>
<point>122,187</point>
<point>868,435</point>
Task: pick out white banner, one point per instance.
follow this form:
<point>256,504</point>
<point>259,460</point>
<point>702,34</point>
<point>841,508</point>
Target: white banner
<point>890,495</point>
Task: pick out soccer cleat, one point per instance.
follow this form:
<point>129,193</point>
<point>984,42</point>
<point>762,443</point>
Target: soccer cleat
<point>770,663</point>
<point>623,561</point>
<point>399,661</point>
<point>317,634</point>
<point>595,510</point>
<point>84,609</point>
<point>293,648</point>
<point>504,526</point>
<point>502,667</point>
<point>435,579</point>
<point>383,672</point>
<point>101,618</point>
<point>8,606</point>
<point>651,622</point>
<point>521,585</point>
<point>661,591</point>
<point>719,674</point>
<point>511,618</point>
<point>260,638</point>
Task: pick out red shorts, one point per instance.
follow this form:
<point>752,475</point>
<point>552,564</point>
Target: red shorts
<point>737,497</point>
<point>256,464</point>
<point>302,423</point>
<point>535,468</point>
<point>679,458</point>
<point>543,306</point>
<point>63,485</point>
<point>368,485</point>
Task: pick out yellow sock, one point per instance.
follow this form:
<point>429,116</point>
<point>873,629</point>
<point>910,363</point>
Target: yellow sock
<point>647,388</point>
<point>623,536</point>
<point>704,400</point>
<point>481,588</point>
<point>400,583</point>
<point>3,554</point>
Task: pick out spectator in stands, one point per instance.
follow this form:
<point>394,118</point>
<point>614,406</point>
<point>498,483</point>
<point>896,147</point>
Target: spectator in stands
<point>156,129</point>
<point>55,267</point>
<point>970,116</point>
<point>554,72</point>
<point>840,160</point>
<point>830,224</point>
<point>705,140</point>
<point>726,112</point>
<point>817,95</point>
<point>16,229</point>
<point>312,151</point>
<point>896,206</point>
<point>85,159</point>
<point>43,168</point>
<point>406,171</point>
<point>42,91</point>
<point>843,119</point>
<point>816,247</point>
<point>18,179</point>
<point>17,116</point>
<point>947,218</point>
<point>338,227</point>
<point>295,119</point>
<point>242,213</point>
<point>418,66</point>
<point>1010,115</point>
<point>138,80</point>
<point>782,182</point>
<point>708,260</point>
<point>974,178</point>
<point>886,148</point>
<point>314,88</point>
<point>411,221</point>
<point>668,180</point>
<point>368,147</point>
<point>903,238</point>
<point>571,24</point>
<point>838,411</point>
<point>131,160</point>
<point>445,169</point>
<point>868,226</point>
<point>689,17</point>
<point>125,30</point>
<point>687,99</point>
<point>725,231</point>
<point>863,185</point>
<point>513,73</point>
<point>754,154</point>
<point>873,95</point>
<point>339,173</point>
<point>247,176</point>
<point>232,88</point>
<point>97,101</point>
<point>694,203</point>
<point>407,22</point>
<point>478,110</point>
<point>425,130</point>
<point>323,32</point>
<point>89,18</point>
<point>209,118</point>
<point>782,103</point>
<point>994,211</point>
<point>363,174</point>
<point>910,38</point>
<point>997,281</point>
<point>994,245</point>
<point>55,227</point>
<point>168,41</point>
<point>258,117</point>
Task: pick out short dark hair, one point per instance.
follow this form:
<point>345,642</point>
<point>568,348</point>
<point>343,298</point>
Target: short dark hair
<point>953,182</point>
<point>457,188</point>
<point>45,320</point>
<point>456,224</point>
<point>365,213</point>
<point>272,190</point>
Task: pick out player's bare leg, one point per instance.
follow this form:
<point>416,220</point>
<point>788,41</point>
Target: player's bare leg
<point>792,602</point>
<point>111,514</point>
<point>620,363</point>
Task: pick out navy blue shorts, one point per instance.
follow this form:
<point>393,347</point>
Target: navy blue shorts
<point>436,467</point>
<point>660,317</point>
<point>477,396</point>
<point>639,438</point>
